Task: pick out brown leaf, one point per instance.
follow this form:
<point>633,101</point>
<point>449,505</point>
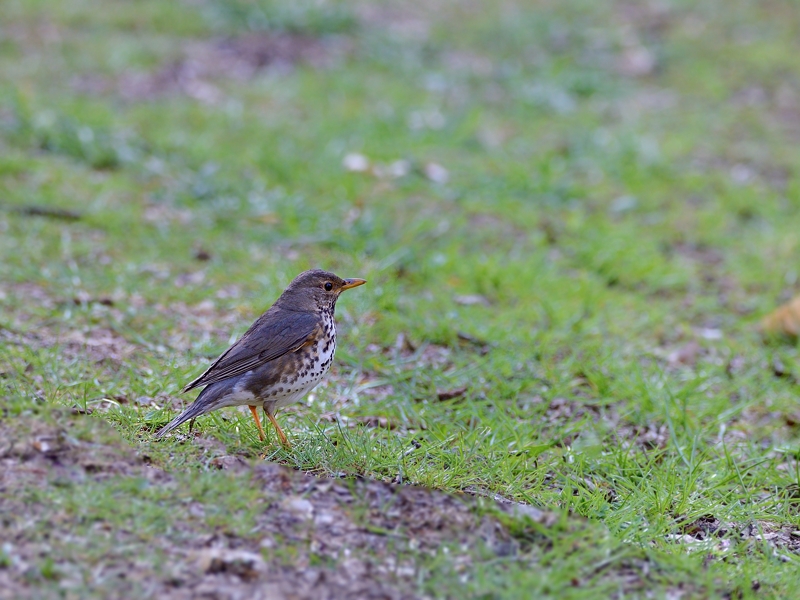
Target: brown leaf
<point>450,394</point>
<point>784,320</point>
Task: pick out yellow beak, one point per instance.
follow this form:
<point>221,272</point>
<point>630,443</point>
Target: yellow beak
<point>351,283</point>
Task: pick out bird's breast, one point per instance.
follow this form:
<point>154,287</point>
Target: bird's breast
<point>289,378</point>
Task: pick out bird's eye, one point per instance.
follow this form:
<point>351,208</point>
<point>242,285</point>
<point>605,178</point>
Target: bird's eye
<point>328,286</point>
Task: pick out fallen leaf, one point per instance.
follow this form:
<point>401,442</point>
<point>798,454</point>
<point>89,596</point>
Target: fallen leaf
<point>784,320</point>
<point>450,394</point>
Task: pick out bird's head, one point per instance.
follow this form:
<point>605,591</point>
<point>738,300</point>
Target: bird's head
<point>315,290</point>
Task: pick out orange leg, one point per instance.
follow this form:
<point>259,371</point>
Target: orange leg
<point>258,423</point>
<point>284,439</point>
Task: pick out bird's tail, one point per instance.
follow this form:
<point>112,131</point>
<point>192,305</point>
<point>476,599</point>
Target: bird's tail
<point>190,413</point>
<point>211,398</point>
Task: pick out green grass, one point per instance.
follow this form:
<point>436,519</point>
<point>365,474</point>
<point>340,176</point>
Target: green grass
<point>624,230</point>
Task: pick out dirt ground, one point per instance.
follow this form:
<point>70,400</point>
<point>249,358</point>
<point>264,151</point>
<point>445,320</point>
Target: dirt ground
<point>309,537</point>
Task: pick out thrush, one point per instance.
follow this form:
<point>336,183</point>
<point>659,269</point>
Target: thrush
<point>282,357</point>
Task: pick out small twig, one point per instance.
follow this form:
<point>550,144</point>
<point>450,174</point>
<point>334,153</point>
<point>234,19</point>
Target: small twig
<point>48,211</point>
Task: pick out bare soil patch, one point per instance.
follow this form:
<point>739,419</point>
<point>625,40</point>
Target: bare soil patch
<point>310,538</point>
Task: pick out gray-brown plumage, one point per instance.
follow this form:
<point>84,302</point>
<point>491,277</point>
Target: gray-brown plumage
<point>283,355</point>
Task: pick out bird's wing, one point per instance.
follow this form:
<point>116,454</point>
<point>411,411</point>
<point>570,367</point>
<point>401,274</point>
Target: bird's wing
<point>268,339</point>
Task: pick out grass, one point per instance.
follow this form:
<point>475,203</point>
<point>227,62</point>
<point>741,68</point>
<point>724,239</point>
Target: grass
<point>565,318</point>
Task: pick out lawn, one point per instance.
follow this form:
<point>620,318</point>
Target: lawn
<point>571,215</point>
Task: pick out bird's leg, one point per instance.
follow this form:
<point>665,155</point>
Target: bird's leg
<point>271,417</point>
<point>261,435</point>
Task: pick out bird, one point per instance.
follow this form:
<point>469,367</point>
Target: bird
<point>282,357</point>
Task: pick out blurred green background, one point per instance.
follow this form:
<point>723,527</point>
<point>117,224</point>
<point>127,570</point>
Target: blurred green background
<point>571,215</point>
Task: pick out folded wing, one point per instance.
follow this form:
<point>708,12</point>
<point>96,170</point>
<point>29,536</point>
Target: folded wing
<point>278,334</point>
